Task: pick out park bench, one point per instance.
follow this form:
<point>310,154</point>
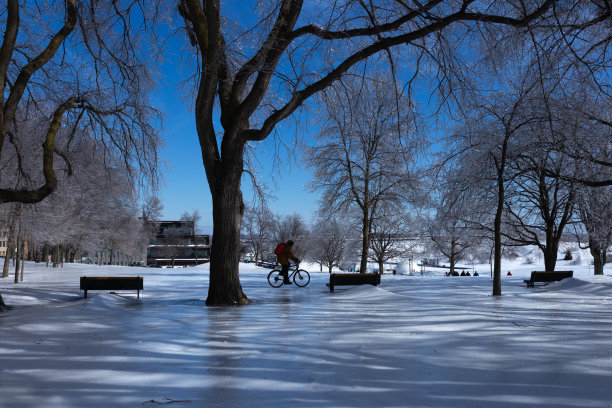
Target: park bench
<point>345,279</point>
<point>547,277</point>
<point>112,283</point>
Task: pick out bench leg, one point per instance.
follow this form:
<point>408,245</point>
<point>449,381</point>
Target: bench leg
<point>85,297</point>
<point>138,295</point>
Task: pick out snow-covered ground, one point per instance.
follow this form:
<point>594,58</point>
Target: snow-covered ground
<point>414,341</point>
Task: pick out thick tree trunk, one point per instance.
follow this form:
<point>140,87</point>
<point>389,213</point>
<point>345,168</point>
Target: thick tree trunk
<point>3,306</point>
<point>381,265</point>
<point>550,252</point>
<point>224,287</point>
<point>550,259</point>
<point>599,257</point>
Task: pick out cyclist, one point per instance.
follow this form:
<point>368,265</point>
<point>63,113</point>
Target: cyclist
<point>283,259</point>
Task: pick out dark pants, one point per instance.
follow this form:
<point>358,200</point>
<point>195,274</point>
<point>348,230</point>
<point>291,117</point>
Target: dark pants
<point>285,272</point>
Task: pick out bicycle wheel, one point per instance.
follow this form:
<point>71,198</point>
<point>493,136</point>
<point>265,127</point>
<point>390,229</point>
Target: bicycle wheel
<point>275,279</point>
<point>301,278</point>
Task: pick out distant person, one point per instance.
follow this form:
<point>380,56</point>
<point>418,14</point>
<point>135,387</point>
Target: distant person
<point>468,273</point>
<point>283,258</point>
<point>476,273</point>
<point>462,273</point>
<point>509,273</point>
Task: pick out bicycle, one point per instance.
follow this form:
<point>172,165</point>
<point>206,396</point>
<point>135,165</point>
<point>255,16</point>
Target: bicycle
<point>300,277</point>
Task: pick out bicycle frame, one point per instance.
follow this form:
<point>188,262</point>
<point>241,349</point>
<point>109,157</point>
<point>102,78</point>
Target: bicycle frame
<point>300,277</point>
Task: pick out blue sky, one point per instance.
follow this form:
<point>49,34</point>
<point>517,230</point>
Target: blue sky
<point>185,187</point>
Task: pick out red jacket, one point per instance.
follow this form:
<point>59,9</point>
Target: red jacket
<point>285,255</point>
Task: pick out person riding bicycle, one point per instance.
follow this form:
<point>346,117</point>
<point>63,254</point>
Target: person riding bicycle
<point>283,259</point>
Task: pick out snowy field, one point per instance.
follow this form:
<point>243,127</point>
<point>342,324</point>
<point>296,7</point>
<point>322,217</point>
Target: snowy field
<point>414,341</point>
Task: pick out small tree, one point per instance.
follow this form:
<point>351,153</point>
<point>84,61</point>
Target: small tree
<point>329,239</point>
<point>450,229</point>
<point>595,212</point>
<point>389,233</point>
<point>193,218</point>
<point>293,227</point>
<point>258,229</point>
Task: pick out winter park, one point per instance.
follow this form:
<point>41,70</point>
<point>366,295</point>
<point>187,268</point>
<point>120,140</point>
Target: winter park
<point>280,203</point>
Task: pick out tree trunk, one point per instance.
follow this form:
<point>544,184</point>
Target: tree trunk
<point>18,255</point>
<point>3,306</point>
<point>550,252</point>
<point>23,257</point>
<point>46,254</point>
<point>10,248</point>
<point>497,252</point>
<point>365,242</point>
<point>598,260</point>
<point>452,258</point>
<point>224,287</point>
<point>550,259</point>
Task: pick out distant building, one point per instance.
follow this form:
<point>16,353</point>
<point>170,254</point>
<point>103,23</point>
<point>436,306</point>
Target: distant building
<point>3,242</point>
<point>174,243</point>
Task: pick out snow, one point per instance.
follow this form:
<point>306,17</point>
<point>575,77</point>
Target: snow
<point>413,341</point>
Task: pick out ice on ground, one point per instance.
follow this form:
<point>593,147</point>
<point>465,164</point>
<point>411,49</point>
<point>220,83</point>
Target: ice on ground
<point>413,341</point>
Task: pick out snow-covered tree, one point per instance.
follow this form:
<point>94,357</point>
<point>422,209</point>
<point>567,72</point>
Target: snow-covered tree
<point>329,241</point>
<point>255,77</point>
<point>364,153</point>
<point>293,227</point>
<point>453,227</point>
<point>390,230</point>
<point>193,218</point>
<point>69,68</point>
<point>595,213</point>
<point>258,231</point>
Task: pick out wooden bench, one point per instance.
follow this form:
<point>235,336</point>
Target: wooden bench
<point>112,283</point>
<point>547,277</point>
<point>345,279</point>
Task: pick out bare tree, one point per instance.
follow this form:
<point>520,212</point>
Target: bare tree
<point>329,240</point>
<point>364,153</point>
<point>274,74</point>
<point>389,236</point>
<point>193,218</point>
<point>77,67</point>
<point>293,227</point>
<point>451,228</point>
<point>595,212</point>
<point>542,207</point>
<point>258,226</point>
<point>483,150</point>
